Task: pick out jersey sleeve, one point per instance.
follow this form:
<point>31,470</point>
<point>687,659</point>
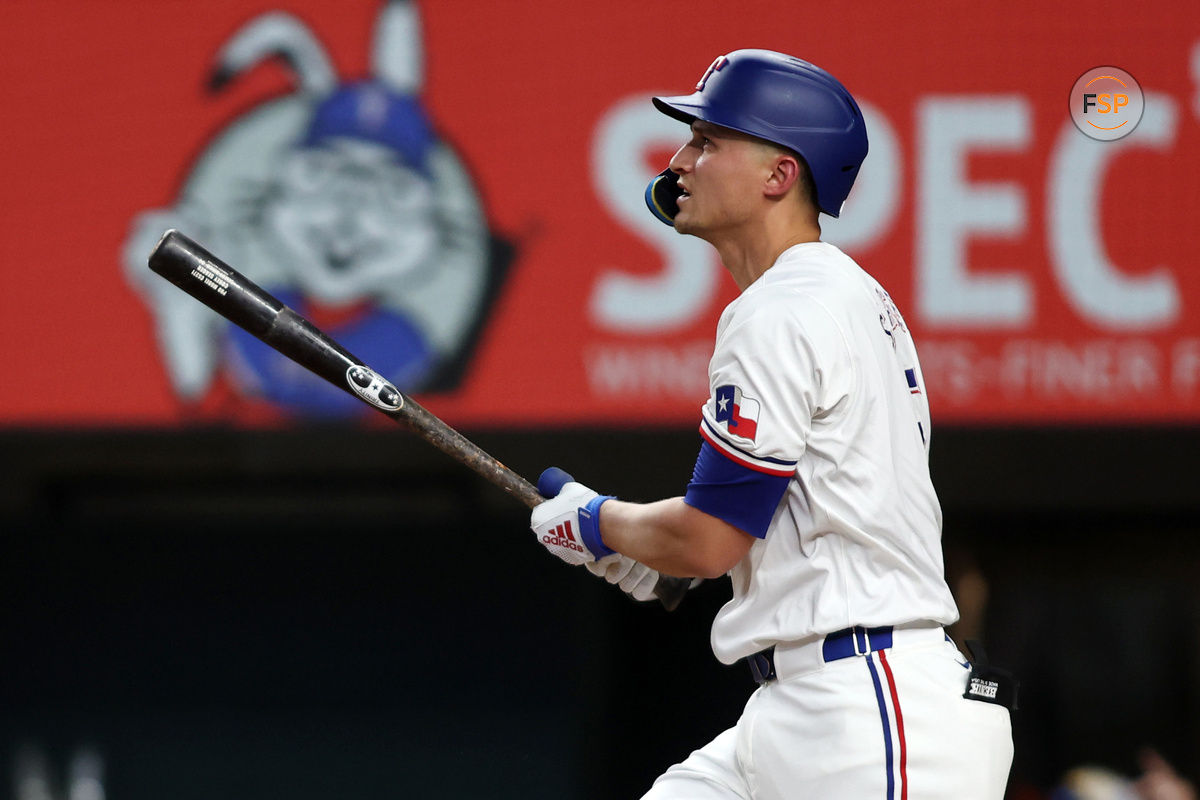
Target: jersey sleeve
<point>773,370</point>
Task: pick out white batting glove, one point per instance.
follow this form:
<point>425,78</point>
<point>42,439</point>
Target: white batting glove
<point>632,577</point>
<point>568,524</point>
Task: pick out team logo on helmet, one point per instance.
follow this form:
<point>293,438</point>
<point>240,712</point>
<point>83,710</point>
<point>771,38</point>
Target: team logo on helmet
<point>715,66</point>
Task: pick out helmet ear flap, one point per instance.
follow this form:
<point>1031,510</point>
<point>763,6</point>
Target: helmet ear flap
<point>662,196</point>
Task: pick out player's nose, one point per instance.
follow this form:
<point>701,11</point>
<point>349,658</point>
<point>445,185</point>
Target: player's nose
<point>681,162</point>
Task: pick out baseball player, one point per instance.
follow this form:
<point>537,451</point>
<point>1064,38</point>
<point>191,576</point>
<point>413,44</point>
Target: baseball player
<point>812,488</point>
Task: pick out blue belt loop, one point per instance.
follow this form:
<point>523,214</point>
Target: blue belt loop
<point>856,641</point>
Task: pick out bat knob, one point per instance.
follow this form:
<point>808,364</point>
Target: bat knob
<point>551,482</point>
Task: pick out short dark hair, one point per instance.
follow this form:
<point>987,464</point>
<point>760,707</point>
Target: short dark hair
<point>808,187</point>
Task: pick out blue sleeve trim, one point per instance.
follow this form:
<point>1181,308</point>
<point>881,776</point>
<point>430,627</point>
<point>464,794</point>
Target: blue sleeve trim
<point>745,498</point>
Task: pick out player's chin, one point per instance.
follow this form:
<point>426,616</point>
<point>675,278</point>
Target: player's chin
<point>684,222</point>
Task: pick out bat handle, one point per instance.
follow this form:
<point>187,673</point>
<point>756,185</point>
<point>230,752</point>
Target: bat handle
<point>668,590</point>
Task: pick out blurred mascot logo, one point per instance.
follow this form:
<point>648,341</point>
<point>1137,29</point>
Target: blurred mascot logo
<point>341,200</point>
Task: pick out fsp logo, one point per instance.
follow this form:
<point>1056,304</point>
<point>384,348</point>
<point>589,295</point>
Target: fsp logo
<point>1106,103</point>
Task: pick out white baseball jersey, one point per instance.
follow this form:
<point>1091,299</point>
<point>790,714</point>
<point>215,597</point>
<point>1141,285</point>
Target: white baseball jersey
<point>819,410</point>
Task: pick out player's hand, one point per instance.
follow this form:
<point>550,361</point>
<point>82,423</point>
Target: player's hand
<point>632,577</point>
<point>568,524</point>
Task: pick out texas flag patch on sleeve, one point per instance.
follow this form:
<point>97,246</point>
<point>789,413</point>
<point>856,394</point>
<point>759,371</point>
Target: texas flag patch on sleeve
<point>738,412</point>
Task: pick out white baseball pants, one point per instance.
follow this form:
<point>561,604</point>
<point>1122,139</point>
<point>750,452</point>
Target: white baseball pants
<point>888,725</point>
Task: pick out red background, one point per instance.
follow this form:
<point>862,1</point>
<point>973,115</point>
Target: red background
<point>105,112</point>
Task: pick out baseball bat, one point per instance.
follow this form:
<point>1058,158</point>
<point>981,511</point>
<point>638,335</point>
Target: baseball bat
<point>219,286</point>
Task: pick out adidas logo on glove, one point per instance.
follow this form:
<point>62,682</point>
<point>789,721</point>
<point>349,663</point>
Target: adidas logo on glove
<point>562,536</point>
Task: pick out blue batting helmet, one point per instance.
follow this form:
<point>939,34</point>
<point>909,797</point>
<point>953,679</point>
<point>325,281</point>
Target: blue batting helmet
<point>786,101</point>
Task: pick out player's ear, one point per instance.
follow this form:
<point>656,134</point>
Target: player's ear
<point>784,172</point>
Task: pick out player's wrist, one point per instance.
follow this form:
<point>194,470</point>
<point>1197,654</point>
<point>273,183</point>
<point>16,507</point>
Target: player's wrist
<point>589,526</point>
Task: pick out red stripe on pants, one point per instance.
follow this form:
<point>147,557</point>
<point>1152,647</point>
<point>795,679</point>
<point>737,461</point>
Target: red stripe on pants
<point>887,669</point>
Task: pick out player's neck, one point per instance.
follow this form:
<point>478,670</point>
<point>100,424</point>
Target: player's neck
<point>749,254</point>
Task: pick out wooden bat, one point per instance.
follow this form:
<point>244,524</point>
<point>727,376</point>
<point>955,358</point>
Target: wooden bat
<point>214,283</point>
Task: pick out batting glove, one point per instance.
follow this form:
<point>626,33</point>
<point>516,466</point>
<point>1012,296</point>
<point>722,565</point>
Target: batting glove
<point>632,577</point>
<point>568,524</point>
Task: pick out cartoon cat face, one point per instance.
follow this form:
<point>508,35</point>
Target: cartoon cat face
<point>350,220</point>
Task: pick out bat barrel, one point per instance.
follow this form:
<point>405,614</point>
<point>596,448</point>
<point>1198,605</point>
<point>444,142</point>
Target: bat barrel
<point>195,270</point>
<point>191,267</point>
<point>205,277</point>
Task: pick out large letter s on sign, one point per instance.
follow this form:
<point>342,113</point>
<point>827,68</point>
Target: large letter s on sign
<point>684,288</point>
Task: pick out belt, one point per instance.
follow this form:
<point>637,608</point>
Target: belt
<point>856,641</point>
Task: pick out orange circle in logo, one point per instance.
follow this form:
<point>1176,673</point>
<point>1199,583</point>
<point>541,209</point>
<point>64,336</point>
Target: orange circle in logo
<point>1106,103</point>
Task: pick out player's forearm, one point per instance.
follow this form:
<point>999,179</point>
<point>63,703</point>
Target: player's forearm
<point>673,537</point>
